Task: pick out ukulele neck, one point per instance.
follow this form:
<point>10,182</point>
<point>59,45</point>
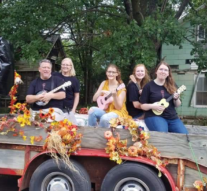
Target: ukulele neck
<point>168,99</point>
<point>56,89</point>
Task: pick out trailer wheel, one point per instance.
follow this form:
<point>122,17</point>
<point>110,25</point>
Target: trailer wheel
<point>132,176</point>
<point>51,177</point>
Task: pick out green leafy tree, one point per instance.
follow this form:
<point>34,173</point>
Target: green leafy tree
<point>147,25</point>
<point>99,32</point>
<point>197,17</point>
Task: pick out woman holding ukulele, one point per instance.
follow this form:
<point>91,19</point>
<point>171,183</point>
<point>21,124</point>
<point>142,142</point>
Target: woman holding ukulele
<point>115,87</point>
<point>134,89</point>
<point>165,119</point>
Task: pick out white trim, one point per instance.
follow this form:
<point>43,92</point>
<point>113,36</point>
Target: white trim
<point>197,33</point>
<point>196,79</point>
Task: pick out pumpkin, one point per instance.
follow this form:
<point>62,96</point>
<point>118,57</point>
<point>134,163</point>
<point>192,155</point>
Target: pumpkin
<point>132,151</point>
<point>108,134</point>
<point>63,131</point>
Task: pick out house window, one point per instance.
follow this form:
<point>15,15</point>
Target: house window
<point>174,67</point>
<point>201,91</point>
<point>201,33</point>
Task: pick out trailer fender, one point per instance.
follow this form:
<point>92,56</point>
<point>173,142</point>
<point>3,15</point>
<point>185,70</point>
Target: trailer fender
<point>38,159</point>
<point>143,160</point>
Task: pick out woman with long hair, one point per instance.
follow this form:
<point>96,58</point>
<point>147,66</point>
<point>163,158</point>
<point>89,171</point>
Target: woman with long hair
<point>67,73</point>
<point>117,105</point>
<point>162,117</point>
<point>138,80</point>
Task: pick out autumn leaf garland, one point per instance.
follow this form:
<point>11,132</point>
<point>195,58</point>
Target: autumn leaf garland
<point>117,147</point>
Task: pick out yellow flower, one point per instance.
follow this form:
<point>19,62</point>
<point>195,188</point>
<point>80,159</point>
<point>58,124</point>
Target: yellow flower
<point>113,122</point>
<point>115,157</point>
<point>32,140</point>
<point>132,123</point>
<point>119,161</point>
<point>65,121</point>
<point>28,122</point>
<point>27,113</point>
<point>19,119</point>
<point>54,123</point>
<point>14,98</point>
<point>24,138</point>
<point>18,105</point>
<point>22,124</point>
<point>144,135</point>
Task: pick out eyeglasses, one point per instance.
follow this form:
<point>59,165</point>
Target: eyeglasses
<point>111,72</point>
<point>165,70</point>
<point>66,65</point>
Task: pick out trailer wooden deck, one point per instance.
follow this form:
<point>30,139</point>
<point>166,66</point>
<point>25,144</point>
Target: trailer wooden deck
<point>172,146</point>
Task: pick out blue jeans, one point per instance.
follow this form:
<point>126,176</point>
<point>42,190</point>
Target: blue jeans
<point>161,124</point>
<point>96,114</point>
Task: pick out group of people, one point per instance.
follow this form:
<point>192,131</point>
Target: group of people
<point>139,99</point>
<point>64,100</point>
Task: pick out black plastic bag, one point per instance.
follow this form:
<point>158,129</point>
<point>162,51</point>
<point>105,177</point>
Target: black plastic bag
<point>6,67</point>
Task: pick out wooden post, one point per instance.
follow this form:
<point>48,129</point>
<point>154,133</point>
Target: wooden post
<point>181,174</point>
<point>26,155</point>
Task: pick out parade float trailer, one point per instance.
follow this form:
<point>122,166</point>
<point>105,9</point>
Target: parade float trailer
<point>89,167</point>
<point>186,157</point>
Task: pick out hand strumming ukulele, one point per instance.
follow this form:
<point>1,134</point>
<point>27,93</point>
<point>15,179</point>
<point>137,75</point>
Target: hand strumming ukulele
<point>165,103</point>
<point>104,101</point>
<point>41,103</point>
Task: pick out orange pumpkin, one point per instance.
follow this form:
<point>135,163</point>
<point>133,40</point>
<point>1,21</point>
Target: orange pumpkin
<point>138,145</point>
<point>63,131</point>
<point>38,138</point>
<point>132,151</point>
<point>198,184</point>
<point>108,134</point>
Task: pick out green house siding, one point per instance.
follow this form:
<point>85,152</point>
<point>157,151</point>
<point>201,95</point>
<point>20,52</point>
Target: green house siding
<point>186,109</point>
<point>176,56</point>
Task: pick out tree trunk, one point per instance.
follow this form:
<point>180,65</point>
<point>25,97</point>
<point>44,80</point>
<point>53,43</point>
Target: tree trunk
<point>182,8</point>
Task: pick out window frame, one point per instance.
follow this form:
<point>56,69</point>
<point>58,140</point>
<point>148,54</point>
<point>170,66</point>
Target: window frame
<point>197,33</point>
<point>202,75</point>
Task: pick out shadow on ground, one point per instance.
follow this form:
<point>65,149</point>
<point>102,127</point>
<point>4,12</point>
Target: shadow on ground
<point>8,183</point>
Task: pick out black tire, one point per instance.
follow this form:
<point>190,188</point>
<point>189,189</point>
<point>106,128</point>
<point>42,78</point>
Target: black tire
<point>132,176</point>
<point>50,176</point>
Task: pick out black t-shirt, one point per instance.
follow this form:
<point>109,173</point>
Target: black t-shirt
<point>38,85</point>
<point>70,90</point>
<point>152,93</point>
<point>133,95</point>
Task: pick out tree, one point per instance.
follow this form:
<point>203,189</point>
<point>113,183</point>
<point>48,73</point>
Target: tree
<point>148,25</point>
<point>29,23</point>
<point>197,17</point>
<point>99,32</point>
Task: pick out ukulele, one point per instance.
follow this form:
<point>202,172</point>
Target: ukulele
<point>42,103</point>
<point>104,101</point>
<point>165,103</point>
